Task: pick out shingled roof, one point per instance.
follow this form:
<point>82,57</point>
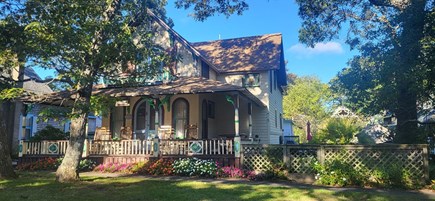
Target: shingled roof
<point>247,54</point>
<point>32,85</point>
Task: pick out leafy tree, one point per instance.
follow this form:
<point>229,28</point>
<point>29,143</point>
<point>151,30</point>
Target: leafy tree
<point>13,50</point>
<point>204,9</point>
<point>338,131</point>
<point>308,99</point>
<point>85,40</point>
<point>395,68</point>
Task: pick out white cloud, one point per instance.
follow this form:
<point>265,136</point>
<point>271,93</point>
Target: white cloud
<point>319,48</point>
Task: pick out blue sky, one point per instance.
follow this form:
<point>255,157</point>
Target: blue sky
<point>263,17</point>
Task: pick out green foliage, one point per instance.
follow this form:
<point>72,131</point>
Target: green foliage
<point>395,68</point>
<point>60,114</point>
<point>205,9</point>
<point>338,131</point>
<point>307,100</point>
<point>339,173</point>
<point>393,176</point>
<point>49,133</point>
<point>86,165</point>
<point>101,105</point>
<point>342,173</point>
<point>195,167</point>
<point>10,93</point>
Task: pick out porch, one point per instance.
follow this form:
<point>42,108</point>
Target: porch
<point>185,109</point>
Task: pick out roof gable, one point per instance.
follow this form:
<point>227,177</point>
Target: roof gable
<point>247,54</point>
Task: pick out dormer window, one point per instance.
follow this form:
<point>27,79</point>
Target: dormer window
<point>251,80</point>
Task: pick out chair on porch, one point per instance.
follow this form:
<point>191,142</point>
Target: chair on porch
<point>102,133</point>
<point>126,133</point>
<point>166,132</point>
<point>191,132</point>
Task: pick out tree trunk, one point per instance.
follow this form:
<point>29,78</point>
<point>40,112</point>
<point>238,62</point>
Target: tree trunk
<point>6,169</point>
<point>406,70</point>
<point>69,169</point>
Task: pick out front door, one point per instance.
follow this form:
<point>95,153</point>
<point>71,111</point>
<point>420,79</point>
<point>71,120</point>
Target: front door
<point>204,120</point>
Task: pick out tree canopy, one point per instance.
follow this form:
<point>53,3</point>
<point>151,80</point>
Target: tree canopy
<point>307,99</point>
<point>395,68</point>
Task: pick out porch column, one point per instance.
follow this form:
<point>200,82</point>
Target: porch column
<point>236,117</point>
<point>250,120</point>
<point>235,103</point>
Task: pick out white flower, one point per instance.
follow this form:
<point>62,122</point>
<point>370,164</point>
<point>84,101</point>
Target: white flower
<point>344,179</point>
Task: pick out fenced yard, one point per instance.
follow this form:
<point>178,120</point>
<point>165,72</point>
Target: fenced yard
<point>295,158</point>
<point>300,158</point>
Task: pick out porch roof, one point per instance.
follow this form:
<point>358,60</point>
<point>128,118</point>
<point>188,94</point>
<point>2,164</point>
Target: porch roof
<point>182,85</point>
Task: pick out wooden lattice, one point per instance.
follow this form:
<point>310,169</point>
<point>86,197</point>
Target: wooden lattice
<point>261,158</point>
<point>409,159</point>
<point>299,159</point>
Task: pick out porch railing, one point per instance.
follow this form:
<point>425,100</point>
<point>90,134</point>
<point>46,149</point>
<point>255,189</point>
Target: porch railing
<point>196,147</point>
<point>132,147</point>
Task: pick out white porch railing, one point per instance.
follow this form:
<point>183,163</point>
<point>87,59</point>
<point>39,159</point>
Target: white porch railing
<point>55,147</point>
<point>133,147</point>
<point>120,148</point>
<point>196,147</point>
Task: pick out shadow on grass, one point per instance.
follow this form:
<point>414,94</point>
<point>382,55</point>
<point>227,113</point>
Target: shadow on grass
<point>41,186</point>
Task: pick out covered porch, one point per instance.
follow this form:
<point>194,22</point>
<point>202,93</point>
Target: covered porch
<point>184,109</point>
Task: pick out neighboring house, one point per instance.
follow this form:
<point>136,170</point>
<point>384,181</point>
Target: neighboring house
<point>198,100</point>
<point>288,128</point>
<point>27,123</point>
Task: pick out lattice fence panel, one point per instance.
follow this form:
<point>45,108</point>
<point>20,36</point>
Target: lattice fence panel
<point>411,160</point>
<point>261,158</point>
<point>300,160</point>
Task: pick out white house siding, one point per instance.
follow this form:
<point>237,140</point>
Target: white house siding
<point>260,123</point>
<point>263,118</point>
<point>275,100</point>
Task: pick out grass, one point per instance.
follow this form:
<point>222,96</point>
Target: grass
<point>41,186</point>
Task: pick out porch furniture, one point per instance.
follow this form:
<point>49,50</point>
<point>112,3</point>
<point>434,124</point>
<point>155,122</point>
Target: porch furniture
<point>102,133</point>
<point>191,132</point>
<point>166,132</point>
<point>126,133</point>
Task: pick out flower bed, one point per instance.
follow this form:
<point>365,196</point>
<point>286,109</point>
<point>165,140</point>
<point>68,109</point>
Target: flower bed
<point>52,164</point>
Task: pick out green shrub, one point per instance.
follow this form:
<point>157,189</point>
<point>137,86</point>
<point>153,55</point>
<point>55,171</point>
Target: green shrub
<point>86,165</point>
<point>339,173</point>
<point>338,131</point>
<point>49,133</point>
<point>393,176</point>
<point>195,167</point>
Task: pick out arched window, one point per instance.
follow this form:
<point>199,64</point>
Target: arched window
<point>180,117</point>
<point>145,119</point>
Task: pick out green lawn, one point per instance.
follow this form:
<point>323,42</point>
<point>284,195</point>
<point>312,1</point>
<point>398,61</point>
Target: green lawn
<point>41,186</point>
